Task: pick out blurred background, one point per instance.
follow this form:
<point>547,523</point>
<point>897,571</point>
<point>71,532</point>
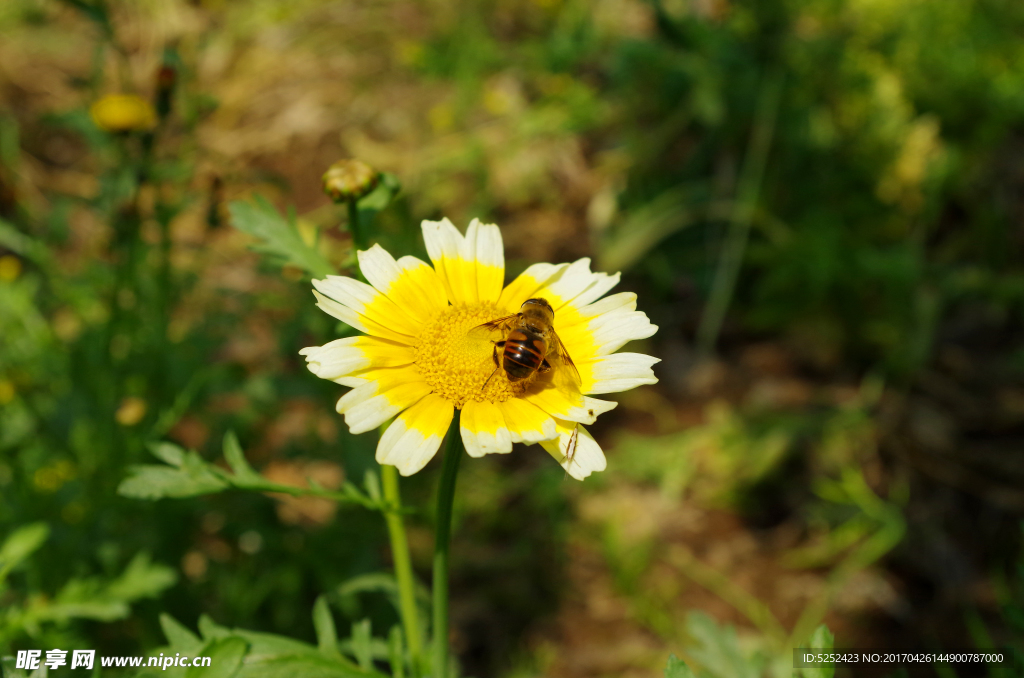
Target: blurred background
<point>820,203</point>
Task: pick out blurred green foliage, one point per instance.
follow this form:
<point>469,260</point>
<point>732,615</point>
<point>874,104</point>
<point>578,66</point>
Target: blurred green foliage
<point>883,208</point>
<point>840,175</point>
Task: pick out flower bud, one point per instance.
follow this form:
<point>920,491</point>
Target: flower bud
<point>123,113</point>
<point>348,180</point>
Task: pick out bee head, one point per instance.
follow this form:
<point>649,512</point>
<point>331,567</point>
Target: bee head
<point>543,303</point>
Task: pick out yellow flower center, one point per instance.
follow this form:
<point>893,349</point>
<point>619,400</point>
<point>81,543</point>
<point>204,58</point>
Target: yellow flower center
<point>458,363</point>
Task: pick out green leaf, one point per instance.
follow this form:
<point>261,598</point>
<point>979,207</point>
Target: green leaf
<point>141,579</point>
<point>821,639</point>
<point>226,655</point>
<point>372,483</point>
<point>361,647</point>
<point>210,629</point>
<point>396,652</point>
<point>193,477</point>
<point>19,243</point>
<point>277,237</point>
<point>168,453</point>
<point>244,473</point>
<point>20,544</point>
<point>302,667</point>
<point>180,638</point>
<point>376,200</point>
<point>323,622</point>
<point>677,668</point>
<point>273,656</point>
<point>718,651</point>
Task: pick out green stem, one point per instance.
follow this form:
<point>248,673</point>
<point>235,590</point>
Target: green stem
<point>403,566</point>
<point>354,227</point>
<point>442,540</point>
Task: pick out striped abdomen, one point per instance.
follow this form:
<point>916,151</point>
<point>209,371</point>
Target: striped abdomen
<point>523,354</point>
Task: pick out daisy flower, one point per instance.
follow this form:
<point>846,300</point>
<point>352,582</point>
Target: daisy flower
<point>419,359</point>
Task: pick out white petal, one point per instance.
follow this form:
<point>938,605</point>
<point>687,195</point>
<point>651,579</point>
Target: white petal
<point>618,372</point>
<point>483,245</point>
<point>573,280</point>
<point>442,239</point>
<point>483,429</point>
<point>415,436</point>
<point>591,409</point>
<point>340,311</point>
<point>336,359</point>
<point>411,284</point>
<point>364,308</point>
<point>598,288</point>
<point>611,331</point>
<point>623,301</point>
<point>527,283</point>
<point>586,455</point>
<point>489,249</point>
<point>372,412</point>
<point>526,422</point>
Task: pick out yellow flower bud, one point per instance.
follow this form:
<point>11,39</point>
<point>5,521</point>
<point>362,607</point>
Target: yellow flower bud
<point>349,180</point>
<point>123,113</point>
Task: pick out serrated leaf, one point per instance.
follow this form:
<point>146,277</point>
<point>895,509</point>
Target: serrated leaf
<point>193,477</point>
<point>179,637</point>
<point>717,651</point>
<point>277,237</point>
<point>677,668</point>
<point>323,623</point>
<point>20,544</point>
<point>226,655</point>
<point>141,579</point>
<point>237,461</point>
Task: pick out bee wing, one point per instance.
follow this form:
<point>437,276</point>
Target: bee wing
<point>564,355</point>
<point>500,324</point>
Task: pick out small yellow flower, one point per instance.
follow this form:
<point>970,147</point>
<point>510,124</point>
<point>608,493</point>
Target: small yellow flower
<point>123,113</point>
<point>417,360</point>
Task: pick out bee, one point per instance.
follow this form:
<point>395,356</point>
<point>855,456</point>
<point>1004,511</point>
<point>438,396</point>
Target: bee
<point>529,344</point>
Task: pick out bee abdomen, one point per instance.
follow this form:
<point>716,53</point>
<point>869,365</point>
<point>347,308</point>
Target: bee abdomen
<point>523,355</point>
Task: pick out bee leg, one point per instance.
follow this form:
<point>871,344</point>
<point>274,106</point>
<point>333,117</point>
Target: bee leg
<point>545,366</point>
<point>497,345</point>
<point>570,449</point>
<point>490,377</point>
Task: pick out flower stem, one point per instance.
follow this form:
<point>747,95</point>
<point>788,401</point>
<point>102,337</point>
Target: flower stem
<point>403,566</point>
<point>354,227</point>
<point>442,540</point>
